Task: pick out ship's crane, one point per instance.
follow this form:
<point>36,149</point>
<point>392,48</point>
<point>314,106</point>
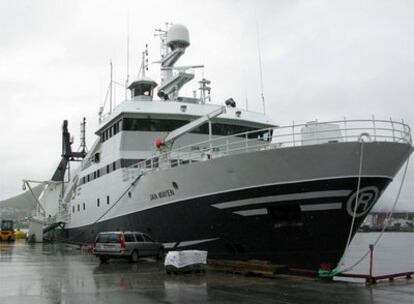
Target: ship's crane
<point>177,133</point>
<point>67,153</point>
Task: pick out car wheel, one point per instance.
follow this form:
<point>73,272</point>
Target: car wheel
<point>160,254</point>
<point>134,257</point>
<point>103,259</point>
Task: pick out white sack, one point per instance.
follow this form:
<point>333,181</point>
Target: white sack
<point>184,258</point>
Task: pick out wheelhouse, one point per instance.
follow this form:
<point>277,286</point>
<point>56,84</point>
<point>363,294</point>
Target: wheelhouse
<point>156,123</point>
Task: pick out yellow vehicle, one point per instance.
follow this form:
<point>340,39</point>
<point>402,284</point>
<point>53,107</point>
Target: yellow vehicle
<point>7,230</point>
<point>20,235</point>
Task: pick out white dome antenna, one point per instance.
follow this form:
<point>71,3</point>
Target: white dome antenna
<point>178,37</point>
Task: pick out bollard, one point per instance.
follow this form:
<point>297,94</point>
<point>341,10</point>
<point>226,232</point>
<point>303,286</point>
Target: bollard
<point>371,253</point>
<point>371,279</point>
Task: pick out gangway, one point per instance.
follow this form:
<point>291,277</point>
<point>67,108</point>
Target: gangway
<point>53,226</point>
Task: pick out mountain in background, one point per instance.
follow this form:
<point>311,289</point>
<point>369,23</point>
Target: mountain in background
<point>20,206</point>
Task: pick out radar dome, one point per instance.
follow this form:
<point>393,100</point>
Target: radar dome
<point>178,36</point>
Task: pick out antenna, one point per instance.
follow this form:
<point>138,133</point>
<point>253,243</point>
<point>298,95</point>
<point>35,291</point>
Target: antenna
<point>204,88</point>
<point>127,58</point>
<point>245,90</point>
<point>260,67</point>
<point>146,59</point>
<point>110,88</point>
<point>163,46</point>
<point>114,94</point>
<point>83,147</point>
<point>163,39</point>
<point>144,63</point>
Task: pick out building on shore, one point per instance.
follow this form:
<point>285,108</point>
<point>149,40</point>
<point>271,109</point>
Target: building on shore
<point>400,221</point>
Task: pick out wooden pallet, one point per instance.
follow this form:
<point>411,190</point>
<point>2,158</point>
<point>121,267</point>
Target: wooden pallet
<point>251,267</point>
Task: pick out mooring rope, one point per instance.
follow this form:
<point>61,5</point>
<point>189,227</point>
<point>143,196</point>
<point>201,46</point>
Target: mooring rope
<point>361,157</point>
<point>133,183</point>
<point>348,242</point>
<point>386,221</point>
<point>119,199</point>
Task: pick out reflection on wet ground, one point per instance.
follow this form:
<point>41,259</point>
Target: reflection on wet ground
<point>57,273</point>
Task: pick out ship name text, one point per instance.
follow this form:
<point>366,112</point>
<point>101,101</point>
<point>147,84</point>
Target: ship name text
<point>162,194</point>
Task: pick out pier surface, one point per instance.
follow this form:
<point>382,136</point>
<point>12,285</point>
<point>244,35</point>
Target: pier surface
<point>57,273</point>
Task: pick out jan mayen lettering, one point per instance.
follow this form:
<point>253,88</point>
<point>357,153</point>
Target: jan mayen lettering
<point>162,194</point>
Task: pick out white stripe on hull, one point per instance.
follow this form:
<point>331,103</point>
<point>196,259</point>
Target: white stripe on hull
<point>321,207</point>
<point>252,212</point>
<point>305,208</point>
<point>187,243</point>
<point>283,198</point>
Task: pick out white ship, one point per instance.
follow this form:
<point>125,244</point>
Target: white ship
<point>198,175</point>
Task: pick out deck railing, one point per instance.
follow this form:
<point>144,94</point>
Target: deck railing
<point>311,133</point>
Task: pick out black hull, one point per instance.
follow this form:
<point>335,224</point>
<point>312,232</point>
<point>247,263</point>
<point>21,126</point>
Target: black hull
<point>290,233</point>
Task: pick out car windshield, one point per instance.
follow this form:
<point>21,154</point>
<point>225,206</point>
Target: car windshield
<point>6,225</point>
<point>108,238</point>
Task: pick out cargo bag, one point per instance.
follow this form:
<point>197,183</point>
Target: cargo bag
<point>186,261</point>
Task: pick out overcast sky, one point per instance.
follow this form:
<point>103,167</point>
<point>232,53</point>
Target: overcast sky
<point>321,59</point>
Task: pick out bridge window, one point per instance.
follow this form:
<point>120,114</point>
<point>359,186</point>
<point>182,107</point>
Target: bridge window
<point>143,89</point>
<point>111,131</point>
<point>148,124</point>
<point>167,125</point>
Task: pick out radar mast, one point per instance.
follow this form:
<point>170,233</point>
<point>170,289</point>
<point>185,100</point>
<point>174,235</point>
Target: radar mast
<point>174,42</point>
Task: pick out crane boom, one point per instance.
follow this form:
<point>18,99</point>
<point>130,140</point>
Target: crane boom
<point>193,124</point>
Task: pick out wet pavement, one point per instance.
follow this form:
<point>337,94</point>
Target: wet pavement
<point>57,273</point>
